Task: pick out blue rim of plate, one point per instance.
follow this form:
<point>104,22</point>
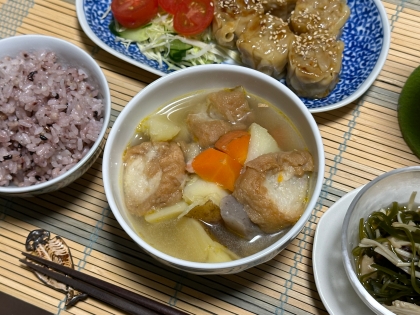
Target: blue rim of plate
<point>366,37</point>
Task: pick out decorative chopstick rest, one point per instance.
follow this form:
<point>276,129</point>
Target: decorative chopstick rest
<point>40,243</point>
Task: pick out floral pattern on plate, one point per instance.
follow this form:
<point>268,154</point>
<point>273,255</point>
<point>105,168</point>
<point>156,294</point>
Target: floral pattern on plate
<point>365,35</point>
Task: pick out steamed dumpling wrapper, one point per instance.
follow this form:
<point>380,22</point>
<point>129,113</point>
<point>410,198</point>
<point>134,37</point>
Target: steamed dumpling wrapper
<point>314,64</point>
<point>310,16</point>
<point>231,18</point>
<point>279,8</point>
<point>266,47</point>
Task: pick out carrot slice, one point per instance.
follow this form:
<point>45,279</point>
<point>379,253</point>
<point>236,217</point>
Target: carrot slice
<point>235,144</point>
<point>215,166</point>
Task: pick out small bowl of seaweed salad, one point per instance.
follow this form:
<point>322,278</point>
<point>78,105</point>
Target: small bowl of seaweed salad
<point>381,242</point>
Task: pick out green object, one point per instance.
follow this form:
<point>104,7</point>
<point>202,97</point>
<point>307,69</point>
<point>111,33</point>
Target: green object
<point>178,50</point>
<point>409,112</point>
<point>135,34</point>
<point>390,282</point>
<point>113,28</point>
<point>178,45</point>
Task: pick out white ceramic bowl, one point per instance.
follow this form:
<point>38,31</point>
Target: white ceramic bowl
<point>396,185</point>
<point>69,54</point>
<point>179,83</point>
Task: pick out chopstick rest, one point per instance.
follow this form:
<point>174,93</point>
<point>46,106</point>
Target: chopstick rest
<point>40,243</point>
<point>109,293</point>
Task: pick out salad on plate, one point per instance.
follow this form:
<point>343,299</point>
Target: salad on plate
<point>170,31</point>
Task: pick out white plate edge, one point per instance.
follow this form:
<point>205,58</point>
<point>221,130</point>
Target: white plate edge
<point>350,195</point>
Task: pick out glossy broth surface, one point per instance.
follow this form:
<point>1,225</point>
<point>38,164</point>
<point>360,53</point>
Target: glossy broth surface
<point>175,237</point>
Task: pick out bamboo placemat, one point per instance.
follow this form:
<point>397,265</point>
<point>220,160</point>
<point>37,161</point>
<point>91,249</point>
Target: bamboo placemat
<point>361,140</point>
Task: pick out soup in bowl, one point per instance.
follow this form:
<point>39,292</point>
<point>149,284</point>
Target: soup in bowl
<point>213,169</point>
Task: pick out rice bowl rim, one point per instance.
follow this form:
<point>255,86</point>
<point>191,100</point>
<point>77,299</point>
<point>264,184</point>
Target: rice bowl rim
<point>252,260</point>
<point>102,82</point>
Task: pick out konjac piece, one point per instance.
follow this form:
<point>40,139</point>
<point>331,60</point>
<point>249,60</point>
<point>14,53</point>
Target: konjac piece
<point>274,187</point>
<point>236,219</point>
<point>314,64</point>
<point>154,176</point>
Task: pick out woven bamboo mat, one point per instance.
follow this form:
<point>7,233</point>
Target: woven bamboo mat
<point>361,140</point>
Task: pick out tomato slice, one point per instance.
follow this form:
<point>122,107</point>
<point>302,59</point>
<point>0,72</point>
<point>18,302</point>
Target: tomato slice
<point>193,16</point>
<point>170,6</point>
<point>134,13</point>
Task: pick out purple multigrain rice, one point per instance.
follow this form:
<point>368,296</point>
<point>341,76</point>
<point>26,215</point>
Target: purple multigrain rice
<point>50,116</point>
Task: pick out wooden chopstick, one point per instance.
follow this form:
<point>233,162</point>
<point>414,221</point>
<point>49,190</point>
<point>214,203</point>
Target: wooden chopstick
<point>109,293</point>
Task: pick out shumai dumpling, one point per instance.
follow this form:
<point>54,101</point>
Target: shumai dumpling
<point>280,8</point>
<point>233,17</point>
<point>314,64</point>
<point>274,188</point>
<point>266,48</point>
<point>310,16</point>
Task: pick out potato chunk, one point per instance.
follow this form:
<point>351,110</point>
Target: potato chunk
<point>161,128</point>
<point>261,142</point>
<point>166,213</point>
<point>197,190</point>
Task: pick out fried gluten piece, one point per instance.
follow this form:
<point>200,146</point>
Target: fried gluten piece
<point>230,105</point>
<point>227,110</point>
<point>154,176</point>
<point>274,187</point>
<point>206,130</point>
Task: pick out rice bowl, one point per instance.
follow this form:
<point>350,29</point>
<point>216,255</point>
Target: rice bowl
<point>54,112</point>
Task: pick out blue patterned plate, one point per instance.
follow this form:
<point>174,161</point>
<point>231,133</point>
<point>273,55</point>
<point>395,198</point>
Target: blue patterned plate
<point>366,36</point>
